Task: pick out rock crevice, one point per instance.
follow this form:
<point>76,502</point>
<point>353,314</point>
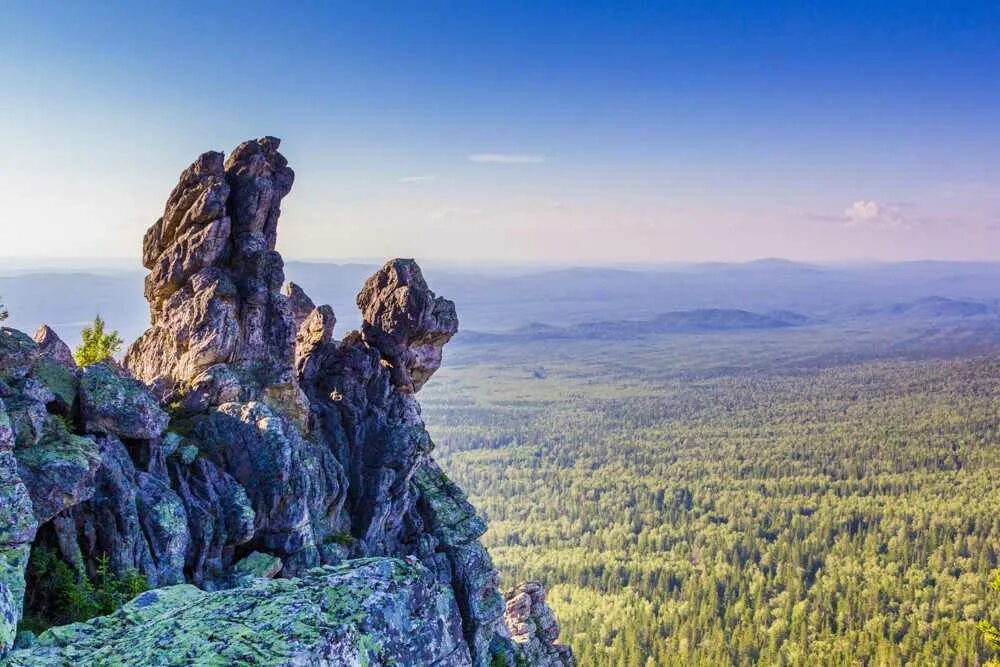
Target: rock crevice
<point>240,441</point>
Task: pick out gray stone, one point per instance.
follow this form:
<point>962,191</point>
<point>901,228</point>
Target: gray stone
<point>406,322</point>
<point>53,348</point>
<point>256,432</point>
<point>59,470</point>
<point>111,402</point>
<point>299,302</point>
<point>17,530</point>
<point>214,275</point>
<point>533,627</point>
<point>379,611</point>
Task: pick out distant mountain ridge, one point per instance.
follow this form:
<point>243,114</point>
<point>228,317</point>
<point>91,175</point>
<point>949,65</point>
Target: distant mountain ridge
<point>933,307</point>
<point>681,321</point>
<point>497,301</point>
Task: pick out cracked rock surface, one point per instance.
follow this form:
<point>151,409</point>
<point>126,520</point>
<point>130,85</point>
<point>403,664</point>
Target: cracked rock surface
<point>273,482</point>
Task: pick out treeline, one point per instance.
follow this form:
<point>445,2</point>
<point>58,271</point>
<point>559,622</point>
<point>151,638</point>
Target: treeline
<point>841,516</point>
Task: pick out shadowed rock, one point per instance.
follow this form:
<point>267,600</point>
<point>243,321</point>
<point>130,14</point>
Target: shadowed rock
<point>242,441</point>
<point>406,322</point>
<point>533,627</point>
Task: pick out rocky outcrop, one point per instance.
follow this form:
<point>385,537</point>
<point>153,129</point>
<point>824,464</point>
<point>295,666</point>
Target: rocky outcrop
<point>17,530</point>
<point>242,441</point>
<point>406,323</point>
<point>364,612</point>
<point>111,402</point>
<point>214,280</point>
<point>533,627</point>
<point>53,348</point>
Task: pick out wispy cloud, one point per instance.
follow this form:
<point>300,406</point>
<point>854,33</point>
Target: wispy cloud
<point>418,179</point>
<point>507,158</point>
<point>870,213</point>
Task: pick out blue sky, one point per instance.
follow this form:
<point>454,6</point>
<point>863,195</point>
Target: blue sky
<point>539,131</point>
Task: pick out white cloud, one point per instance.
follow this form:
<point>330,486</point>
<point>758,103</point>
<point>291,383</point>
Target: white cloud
<point>418,179</point>
<point>507,158</point>
<point>870,213</point>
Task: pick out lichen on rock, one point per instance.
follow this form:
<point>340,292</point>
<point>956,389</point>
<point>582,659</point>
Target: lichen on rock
<point>276,482</point>
<point>365,612</point>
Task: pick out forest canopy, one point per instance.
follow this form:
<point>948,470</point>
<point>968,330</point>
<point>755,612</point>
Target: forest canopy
<point>705,500</point>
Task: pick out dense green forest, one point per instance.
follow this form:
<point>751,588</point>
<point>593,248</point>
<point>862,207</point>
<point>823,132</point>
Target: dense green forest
<point>783,498</point>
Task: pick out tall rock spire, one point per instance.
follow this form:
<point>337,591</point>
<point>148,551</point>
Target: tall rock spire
<point>214,277</point>
<point>282,450</point>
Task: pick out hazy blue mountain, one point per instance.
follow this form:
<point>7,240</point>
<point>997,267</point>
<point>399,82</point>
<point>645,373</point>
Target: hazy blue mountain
<point>687,321</point>
<point>492,300</point>
<point>67,301</point>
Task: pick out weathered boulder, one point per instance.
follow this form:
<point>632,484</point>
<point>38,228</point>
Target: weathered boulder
<point>58,470</point>
<point>258,565</point>
<point>18,353</point>
<point>376,433</point>
<point>315,330</point>
<point>299,302</point>
<point>133,518</point>
<point>252,445</point>
<point>17,522</point>
<point>378,611</point>
<point>219,515</point>
<point>112,402</point>
<point>406,322</point>
<point>533,627</point>
<point>13,563</point>
<point>296,488</point>
<point>451,520</point>
<point>53,348</point>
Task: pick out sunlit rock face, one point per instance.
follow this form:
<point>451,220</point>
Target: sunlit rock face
<point>214,276</point>
<point>406,322</point>
<point>533,626</point>
<point>248,463</point>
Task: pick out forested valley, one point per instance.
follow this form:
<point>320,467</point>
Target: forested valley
<point>817,496</point>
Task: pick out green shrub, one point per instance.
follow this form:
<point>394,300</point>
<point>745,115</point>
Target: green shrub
<point>342,537</point>
<point>64,595</point>
<point>96,345</point>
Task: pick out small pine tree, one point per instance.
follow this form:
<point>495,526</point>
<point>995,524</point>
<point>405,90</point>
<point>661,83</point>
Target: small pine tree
<point>3,312</point>
<point>96,345</point>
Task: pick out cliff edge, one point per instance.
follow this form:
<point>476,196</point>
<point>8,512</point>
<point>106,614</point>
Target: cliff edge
<point>273,485</point>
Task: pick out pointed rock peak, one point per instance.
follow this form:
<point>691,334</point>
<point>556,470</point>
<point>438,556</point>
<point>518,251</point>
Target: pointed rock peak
<point>214,280</point>
<point>53,348</point>
<point>404,320</point>
<point>259,177</point>
<point>299,301</point>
